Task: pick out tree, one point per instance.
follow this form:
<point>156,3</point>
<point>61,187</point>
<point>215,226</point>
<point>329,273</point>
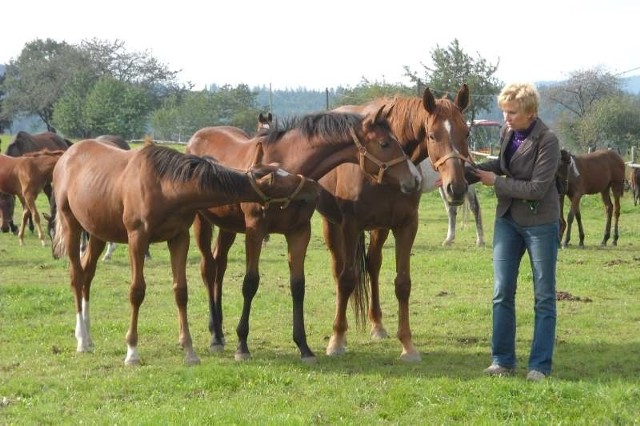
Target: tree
<point>452,67</point>
<point>578,105</point>
<point>367,91</point>
<point>37,79</point>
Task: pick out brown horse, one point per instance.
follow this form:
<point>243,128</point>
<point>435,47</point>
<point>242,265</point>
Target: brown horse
<point>25,142</point>
<point>601,172</point>
<point>144,196</point>
<point>25,177</point>
<point>634,184</point>
<point>311,146</point>
<point>350,205</point>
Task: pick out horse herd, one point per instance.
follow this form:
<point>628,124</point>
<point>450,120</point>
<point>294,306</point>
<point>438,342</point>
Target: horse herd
<point>340,163</point>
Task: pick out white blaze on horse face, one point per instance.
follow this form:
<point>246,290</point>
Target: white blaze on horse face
<point>283,173</point>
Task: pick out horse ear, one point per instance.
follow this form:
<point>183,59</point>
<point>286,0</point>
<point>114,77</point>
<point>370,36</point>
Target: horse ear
<point>257,159</point>
<point>380,115</point>
<point>428,101</point>
<point>463,99</point>
<point>269,117</point>
<point>260,118</point>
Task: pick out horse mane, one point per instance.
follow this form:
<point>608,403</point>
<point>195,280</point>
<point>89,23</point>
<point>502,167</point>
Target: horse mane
<point>328,126</point>
<point>178,167</point>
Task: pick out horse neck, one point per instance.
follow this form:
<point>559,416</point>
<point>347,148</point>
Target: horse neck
<point>312,159</point>
<point>192,196</point>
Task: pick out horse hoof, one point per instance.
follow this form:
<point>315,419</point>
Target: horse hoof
<point>379,334</point>
<point>336,351</point>
<point>411,357</point>
<point>309,359</point>
<point>192,360</point>
<point>447,243</point>
<point>242,356</point>
<point>216,347</point>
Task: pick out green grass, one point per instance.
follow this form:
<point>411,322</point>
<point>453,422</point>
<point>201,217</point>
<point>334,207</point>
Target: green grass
<point>596,370</point>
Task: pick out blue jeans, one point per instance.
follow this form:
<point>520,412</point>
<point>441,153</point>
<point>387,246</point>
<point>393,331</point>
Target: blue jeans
<point>510,241</point>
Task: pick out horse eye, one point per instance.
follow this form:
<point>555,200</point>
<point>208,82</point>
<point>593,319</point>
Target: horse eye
<point>384,143</point>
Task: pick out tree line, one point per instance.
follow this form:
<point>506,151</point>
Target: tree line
<point>99,87</point>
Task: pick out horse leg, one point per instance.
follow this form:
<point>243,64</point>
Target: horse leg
<point>137,290</point>
<point>563,223</point>
<point>346,236</point>
<point>578,217</point>
<point>474,204</point>
<point>608,210</point>
<point>616,214</point>
<point>452,212</point>
<point>203,234</point>
<point>178,250</point>
<point>333,238</point>
<point>297,243</point>
<point>224,241</point>
<point>250,283</point>
<point>111,247</point>
<point>25,218</point>
<point>89,260</point>
<point>30,199</point>
<point>405,236</point>
<point>374,263</point>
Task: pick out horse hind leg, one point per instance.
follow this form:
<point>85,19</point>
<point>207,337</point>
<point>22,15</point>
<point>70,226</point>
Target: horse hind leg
<point>608,207</point>
<point>111,247</point>
<point>452,212</point>
<point>374,263</point>
<point>474,205</point>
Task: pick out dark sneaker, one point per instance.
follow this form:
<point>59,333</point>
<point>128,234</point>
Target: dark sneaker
<point>498,370</point>
<point>536,376</point>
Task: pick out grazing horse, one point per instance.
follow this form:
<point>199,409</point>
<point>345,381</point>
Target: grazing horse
<point>634,183</point>
<point>350,205</point>
<point>429,180</point>
<point>7,202</point>
<point>601,172</point>
<point>144,196</point>
<point>25,177</point>
<point>311,146</point>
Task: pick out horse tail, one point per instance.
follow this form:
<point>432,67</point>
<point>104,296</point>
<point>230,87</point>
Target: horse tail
<point>360,296</point>
<point>57,245</point>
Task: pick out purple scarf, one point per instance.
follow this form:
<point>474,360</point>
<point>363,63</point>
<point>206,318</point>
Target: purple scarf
<point>516,140</point>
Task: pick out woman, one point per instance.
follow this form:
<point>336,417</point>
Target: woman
<point>527,216</point>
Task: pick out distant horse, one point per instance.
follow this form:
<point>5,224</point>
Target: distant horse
<point>265,121</point>
<point>7,202</point>
<point>350,205</point>
<point>25,142</point>
<point>429,178</point>
<point>144,196</point>
<point>596,172</point>
<point>311,146</point>
<point>25,177</point>
<point>634,184</point>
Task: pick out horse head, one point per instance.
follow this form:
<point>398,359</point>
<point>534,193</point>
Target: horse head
<point>381,154</point>
<point>446,141</point>
<point>566,169</point>
<point>264,121</point>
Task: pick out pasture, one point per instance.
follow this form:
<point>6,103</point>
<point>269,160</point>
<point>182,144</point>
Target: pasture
<point>596,376</point>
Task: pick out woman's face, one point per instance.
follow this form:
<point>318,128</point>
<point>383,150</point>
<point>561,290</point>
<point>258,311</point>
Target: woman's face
<point>515,117</point>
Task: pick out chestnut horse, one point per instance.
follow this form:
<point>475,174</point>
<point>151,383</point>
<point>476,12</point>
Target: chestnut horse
<point>350,205</point>
<point>312,146</point>
<point>601,172</point>
<point>144,196</point>
<point>25,177</point>
<point>25,142</point>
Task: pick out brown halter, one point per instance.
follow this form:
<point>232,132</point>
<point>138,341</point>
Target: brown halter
<point>382,166</point>
<point>267,200</point>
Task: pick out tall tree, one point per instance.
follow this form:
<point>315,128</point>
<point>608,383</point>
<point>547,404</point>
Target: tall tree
<point>576,104</point>
<point>451,67</point>
<point>366,91</point>
<point>37,79</point>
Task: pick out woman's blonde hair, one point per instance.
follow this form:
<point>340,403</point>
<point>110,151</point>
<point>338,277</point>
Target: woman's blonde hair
<point>525,94</point>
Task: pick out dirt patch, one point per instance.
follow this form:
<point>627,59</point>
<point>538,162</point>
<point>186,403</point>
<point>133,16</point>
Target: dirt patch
<point>564,295</point>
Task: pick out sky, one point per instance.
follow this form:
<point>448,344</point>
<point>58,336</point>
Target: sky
<point>290,44</point>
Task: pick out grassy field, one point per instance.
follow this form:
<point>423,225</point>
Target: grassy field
<point>595,380</point>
